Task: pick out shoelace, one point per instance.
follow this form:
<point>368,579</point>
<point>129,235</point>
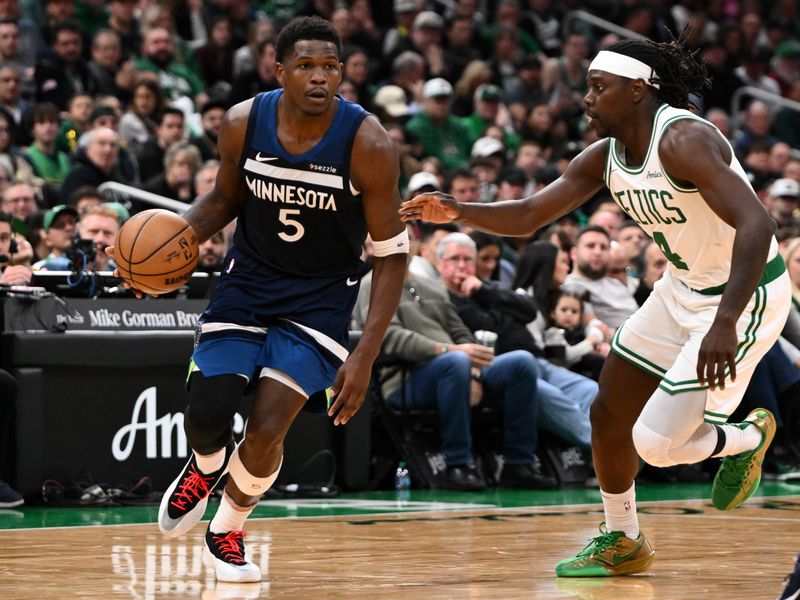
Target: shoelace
<point>733,469</point>
<point>230,546</point>
<point>195,484</point>
<point>602,542</point>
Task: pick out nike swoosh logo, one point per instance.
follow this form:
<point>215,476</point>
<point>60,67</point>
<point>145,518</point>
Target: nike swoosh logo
<point>260,158</point>
<point>351,283</point>
<point>616,559</point>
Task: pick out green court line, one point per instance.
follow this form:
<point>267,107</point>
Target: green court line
<point>373,503</point>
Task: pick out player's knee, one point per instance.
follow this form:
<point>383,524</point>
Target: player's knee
<point>212,404</point>
<point>651,446</point>
<point>265,436</point>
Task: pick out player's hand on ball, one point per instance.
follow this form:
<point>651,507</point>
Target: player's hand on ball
<point>110,252</point>
<point>434,207</point>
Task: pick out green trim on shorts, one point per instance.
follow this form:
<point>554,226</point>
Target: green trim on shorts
<point>192,365</point>
<point>638,361</point>
<point>750,336</point>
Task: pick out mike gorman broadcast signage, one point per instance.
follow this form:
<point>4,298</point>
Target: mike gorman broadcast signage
<point>139,315</point>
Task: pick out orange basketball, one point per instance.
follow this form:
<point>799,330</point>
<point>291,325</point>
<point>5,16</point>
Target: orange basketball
<point>156,251</point>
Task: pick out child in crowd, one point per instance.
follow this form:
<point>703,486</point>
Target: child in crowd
<point>580,347</point>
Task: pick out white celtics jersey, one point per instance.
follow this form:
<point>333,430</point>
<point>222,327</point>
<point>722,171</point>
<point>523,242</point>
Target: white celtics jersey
<point>697,243</point>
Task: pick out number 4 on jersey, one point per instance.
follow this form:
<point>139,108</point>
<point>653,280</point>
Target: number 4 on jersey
<point>675,259</point>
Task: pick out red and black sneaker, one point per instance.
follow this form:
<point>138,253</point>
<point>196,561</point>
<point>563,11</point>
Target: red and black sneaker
<point>226,555</point>
<point>184,502</point>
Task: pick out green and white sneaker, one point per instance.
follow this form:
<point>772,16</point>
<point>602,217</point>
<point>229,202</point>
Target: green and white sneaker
<point>739,475</point>
<point>610,553</point>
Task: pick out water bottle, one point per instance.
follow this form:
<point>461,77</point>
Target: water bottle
<point>402,481</point>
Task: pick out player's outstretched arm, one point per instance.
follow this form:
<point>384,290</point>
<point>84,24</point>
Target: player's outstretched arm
<point>582,178</point>
<point>707,167</point>
<point>375,171</point>
<point>218,207</point>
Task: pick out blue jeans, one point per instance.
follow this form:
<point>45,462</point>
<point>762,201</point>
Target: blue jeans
<point>565,398</point>
<point>444,382</point>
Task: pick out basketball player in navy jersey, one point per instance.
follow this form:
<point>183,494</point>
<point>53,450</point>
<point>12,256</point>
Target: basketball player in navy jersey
<point>308,175</point>
<point>680,365</point>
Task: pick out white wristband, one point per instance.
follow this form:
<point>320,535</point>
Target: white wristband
<point>395,245</point>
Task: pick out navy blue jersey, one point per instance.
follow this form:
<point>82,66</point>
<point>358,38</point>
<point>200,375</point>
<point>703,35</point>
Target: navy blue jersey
<point>300,214</point>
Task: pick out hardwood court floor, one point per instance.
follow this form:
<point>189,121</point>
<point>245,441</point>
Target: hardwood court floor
<point>484,553</point>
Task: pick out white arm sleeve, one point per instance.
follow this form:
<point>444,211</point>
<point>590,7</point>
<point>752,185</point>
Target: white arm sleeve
<point>396,245</point>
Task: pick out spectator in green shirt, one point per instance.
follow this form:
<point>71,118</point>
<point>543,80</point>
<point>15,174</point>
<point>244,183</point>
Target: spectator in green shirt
<point>441,134</point>
<point>176,79</point>
<point>48,163</point>
<point>487,101</point>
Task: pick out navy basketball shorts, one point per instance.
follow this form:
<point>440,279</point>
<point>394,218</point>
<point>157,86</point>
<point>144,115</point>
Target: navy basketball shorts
<point>266,323</point>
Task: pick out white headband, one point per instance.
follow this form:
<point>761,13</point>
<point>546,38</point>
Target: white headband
<point>624,66</point>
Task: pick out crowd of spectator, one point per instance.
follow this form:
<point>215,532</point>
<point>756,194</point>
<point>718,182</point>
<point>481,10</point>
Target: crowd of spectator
<point>483,100</point>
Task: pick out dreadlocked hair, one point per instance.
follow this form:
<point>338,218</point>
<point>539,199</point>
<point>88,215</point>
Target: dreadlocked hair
<point>678,70</point>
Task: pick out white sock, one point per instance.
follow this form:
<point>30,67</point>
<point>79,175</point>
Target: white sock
<point>210,462</point>
<point>620,512</point>
<point>230,516</point>
<point>738,439</point>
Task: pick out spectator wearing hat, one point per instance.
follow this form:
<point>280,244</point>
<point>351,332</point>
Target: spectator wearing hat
<point>262,78</point>
<point>49,163</point>
<point>442,135</point>
<point>786,65</point>
<point>390,105</point>
<point>783,202</point>
<point>786,123</point>
<point>487,101</point>
<point>65,73</point>
<point>58,226</point>
<point>211,114</point>
<point>491,149</point>
<point>421,183</point>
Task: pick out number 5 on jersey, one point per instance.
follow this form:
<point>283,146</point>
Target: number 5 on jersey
<point>285,217</point>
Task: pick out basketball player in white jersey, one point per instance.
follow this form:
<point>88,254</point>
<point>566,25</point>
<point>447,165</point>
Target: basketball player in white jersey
<point>682,362</point>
